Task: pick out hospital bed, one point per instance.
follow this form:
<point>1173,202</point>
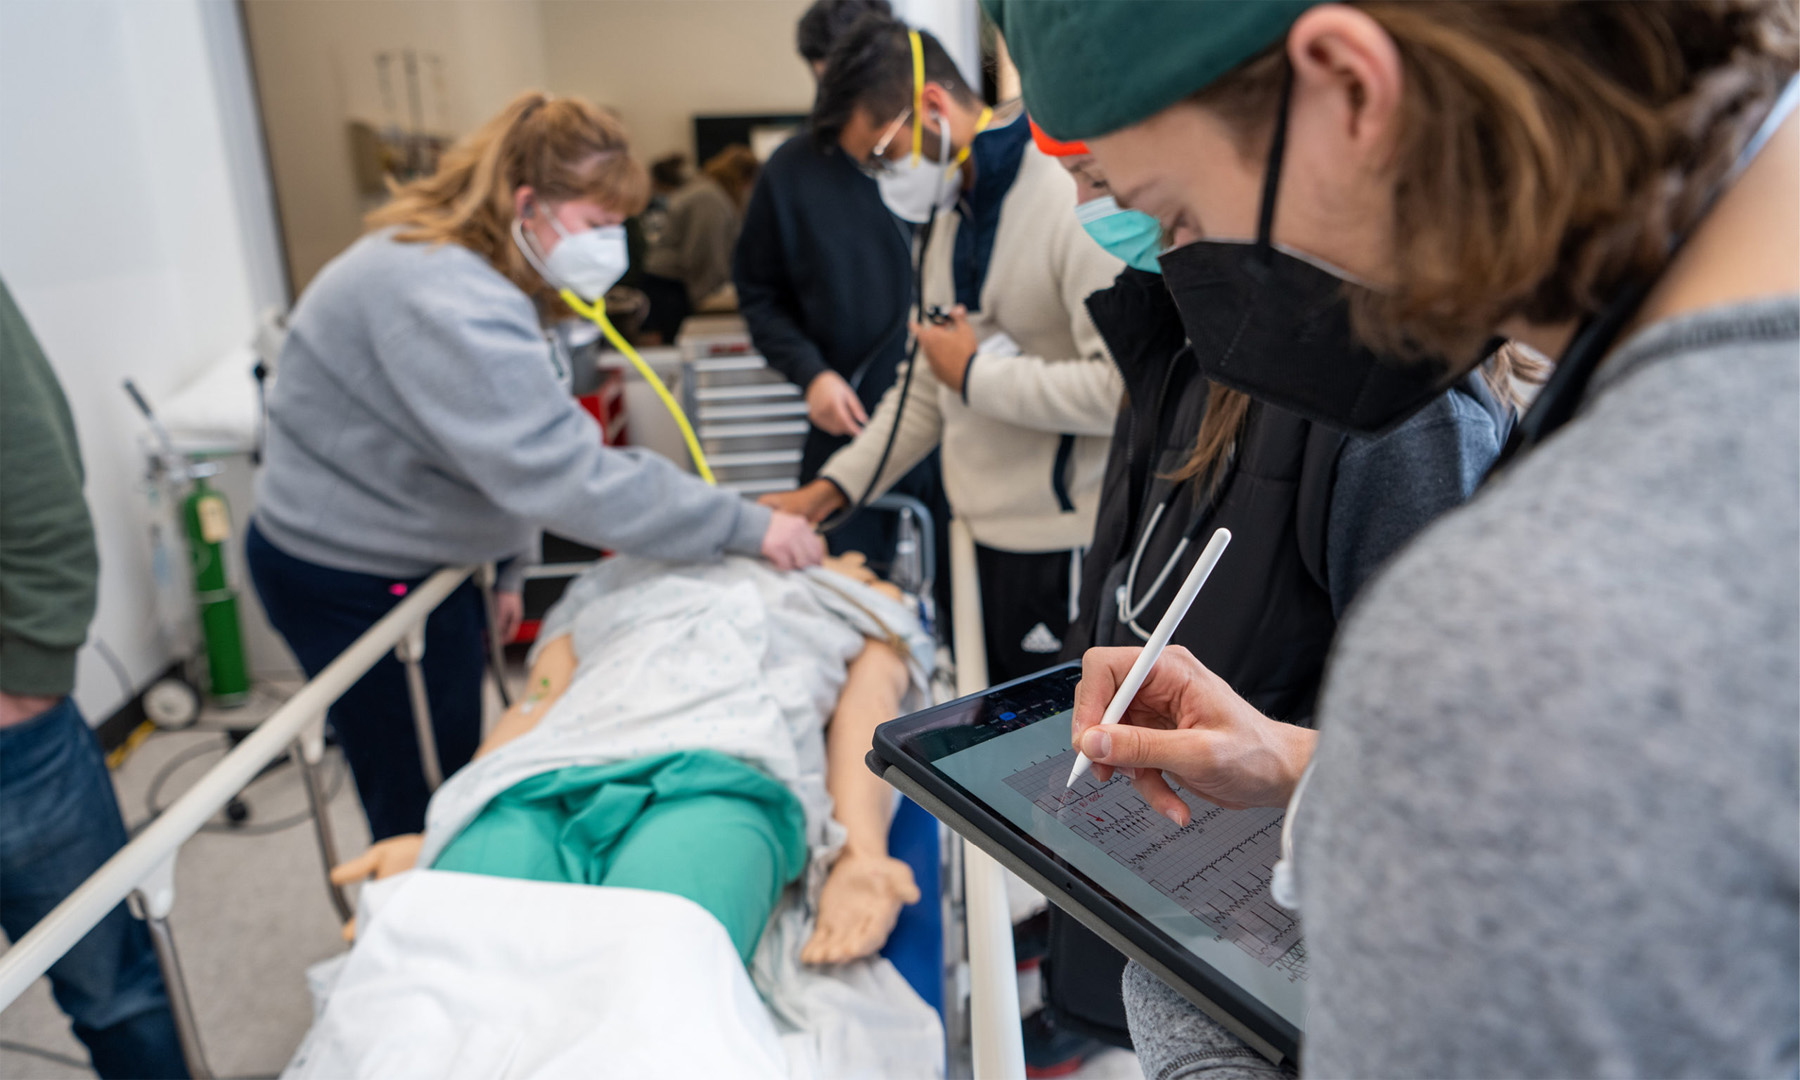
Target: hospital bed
<point>143,872</point>
<point>736,399</point>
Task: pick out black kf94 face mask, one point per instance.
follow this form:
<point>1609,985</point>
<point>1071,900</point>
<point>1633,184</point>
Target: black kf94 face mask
<point>1277,327</point>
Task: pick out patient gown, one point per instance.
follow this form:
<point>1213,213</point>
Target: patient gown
<point>695,823</point>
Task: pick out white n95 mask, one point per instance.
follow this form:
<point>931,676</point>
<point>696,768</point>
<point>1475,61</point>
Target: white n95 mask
<point>590,262</point>
<point>912,188</point>
<point>586,263</point>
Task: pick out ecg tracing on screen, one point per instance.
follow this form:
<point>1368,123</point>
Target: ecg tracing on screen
<point>1217,867</point>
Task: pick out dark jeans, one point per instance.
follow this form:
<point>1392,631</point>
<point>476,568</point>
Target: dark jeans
<point>59,821</point>
<point>320,612</point>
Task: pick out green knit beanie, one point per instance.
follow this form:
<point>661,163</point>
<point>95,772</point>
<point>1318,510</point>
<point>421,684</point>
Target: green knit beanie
<point>1091,67</point>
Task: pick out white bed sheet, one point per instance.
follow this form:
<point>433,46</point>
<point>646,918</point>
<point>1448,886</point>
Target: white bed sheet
<point>480,978</point>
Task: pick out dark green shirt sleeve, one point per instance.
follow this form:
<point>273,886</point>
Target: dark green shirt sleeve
<point>48,563</point>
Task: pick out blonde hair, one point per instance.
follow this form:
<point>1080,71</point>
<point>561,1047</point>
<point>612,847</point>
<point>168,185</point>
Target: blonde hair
<point>564,148</point>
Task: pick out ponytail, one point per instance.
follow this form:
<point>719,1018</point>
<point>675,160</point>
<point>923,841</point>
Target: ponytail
<point>564,148</point>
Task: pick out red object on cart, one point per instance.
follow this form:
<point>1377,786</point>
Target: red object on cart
<point>607,405</point>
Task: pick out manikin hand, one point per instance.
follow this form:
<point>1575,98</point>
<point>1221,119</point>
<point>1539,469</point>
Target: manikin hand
<point>858,906</point>
<point>833,406</point>
<point>1186,724</point>
<point>385,858</point>
<point>855,566</point>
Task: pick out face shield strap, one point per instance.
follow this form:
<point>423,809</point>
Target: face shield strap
<point>1265,215</point>
<point>918,117</point>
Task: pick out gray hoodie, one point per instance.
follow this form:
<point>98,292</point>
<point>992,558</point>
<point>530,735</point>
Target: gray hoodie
<point>418,421</point>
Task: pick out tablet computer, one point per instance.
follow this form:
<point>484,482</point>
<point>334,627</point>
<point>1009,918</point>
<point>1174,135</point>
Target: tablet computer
<point>1192,904</point>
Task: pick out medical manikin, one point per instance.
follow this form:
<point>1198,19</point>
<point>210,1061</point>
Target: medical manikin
<point>668,740</point>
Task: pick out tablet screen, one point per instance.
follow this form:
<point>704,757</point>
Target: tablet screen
<point>1205,885</point>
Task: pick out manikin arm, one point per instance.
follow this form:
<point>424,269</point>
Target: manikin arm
<point>866,889</point>
<point>550,676</point>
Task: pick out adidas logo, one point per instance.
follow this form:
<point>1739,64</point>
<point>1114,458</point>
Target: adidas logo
<point>1041,640</point>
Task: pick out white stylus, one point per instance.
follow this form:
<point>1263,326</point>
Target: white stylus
<point>1159,639</point>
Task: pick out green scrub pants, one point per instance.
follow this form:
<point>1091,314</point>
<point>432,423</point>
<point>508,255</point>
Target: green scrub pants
<point>697,824</point>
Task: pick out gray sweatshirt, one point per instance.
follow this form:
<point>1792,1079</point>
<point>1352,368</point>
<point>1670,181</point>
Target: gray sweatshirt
<point>1554,827</point>
<point>418,421</point>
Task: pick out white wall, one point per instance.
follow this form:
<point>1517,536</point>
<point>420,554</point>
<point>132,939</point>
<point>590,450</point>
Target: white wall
<point>122,236</point>
<point>659,62</point>
<point>957,26</point>
<point>316,66</point>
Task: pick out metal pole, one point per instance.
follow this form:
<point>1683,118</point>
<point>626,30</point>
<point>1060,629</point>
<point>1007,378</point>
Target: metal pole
<point>71,920</point>
<point>997,1043</point>
<point>187,1029</point>
<point>411,650</point>
<point>485,579</point>
<point>321,812</point>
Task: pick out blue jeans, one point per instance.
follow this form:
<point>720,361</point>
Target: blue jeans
<point>320,612</point>
<point>59,821</point>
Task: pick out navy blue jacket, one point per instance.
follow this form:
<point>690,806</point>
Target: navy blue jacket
<point>823,275</point>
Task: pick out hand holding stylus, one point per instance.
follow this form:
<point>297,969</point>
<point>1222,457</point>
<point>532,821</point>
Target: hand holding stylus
<point>1186,725</point>
<point>1159,639</point>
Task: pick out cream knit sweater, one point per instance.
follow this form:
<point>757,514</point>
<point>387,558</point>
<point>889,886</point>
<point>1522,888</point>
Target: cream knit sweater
<point>1000,447</point>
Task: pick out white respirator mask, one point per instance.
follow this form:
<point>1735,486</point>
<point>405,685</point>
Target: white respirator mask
<point>912,189</point>
<point>586,263</point>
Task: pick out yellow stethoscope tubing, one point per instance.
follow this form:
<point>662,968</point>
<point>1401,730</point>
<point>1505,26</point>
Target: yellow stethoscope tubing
<point>597,313</point>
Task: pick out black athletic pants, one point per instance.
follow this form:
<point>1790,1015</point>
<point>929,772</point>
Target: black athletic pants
<point>1025,608</point>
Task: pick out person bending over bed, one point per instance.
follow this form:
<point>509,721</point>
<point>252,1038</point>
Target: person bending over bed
<point>669,740</point>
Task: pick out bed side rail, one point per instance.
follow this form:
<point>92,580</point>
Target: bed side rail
<point>146,864</point>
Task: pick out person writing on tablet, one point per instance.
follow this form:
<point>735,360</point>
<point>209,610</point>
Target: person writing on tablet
<point>1552,822</point>
<point>1313,513</point>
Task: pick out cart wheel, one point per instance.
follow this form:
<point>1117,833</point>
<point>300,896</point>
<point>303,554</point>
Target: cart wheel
<point>172,704</point>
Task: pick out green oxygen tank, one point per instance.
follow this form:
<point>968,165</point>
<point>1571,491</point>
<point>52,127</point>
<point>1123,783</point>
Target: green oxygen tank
<point>208,521</point>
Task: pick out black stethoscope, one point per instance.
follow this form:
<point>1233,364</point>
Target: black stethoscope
<point>1557,404</point>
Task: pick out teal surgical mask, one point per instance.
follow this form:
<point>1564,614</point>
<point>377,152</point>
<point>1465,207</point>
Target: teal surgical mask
<point>1131,235</point>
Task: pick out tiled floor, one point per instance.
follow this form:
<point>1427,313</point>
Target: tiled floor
<point>252,912</point>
